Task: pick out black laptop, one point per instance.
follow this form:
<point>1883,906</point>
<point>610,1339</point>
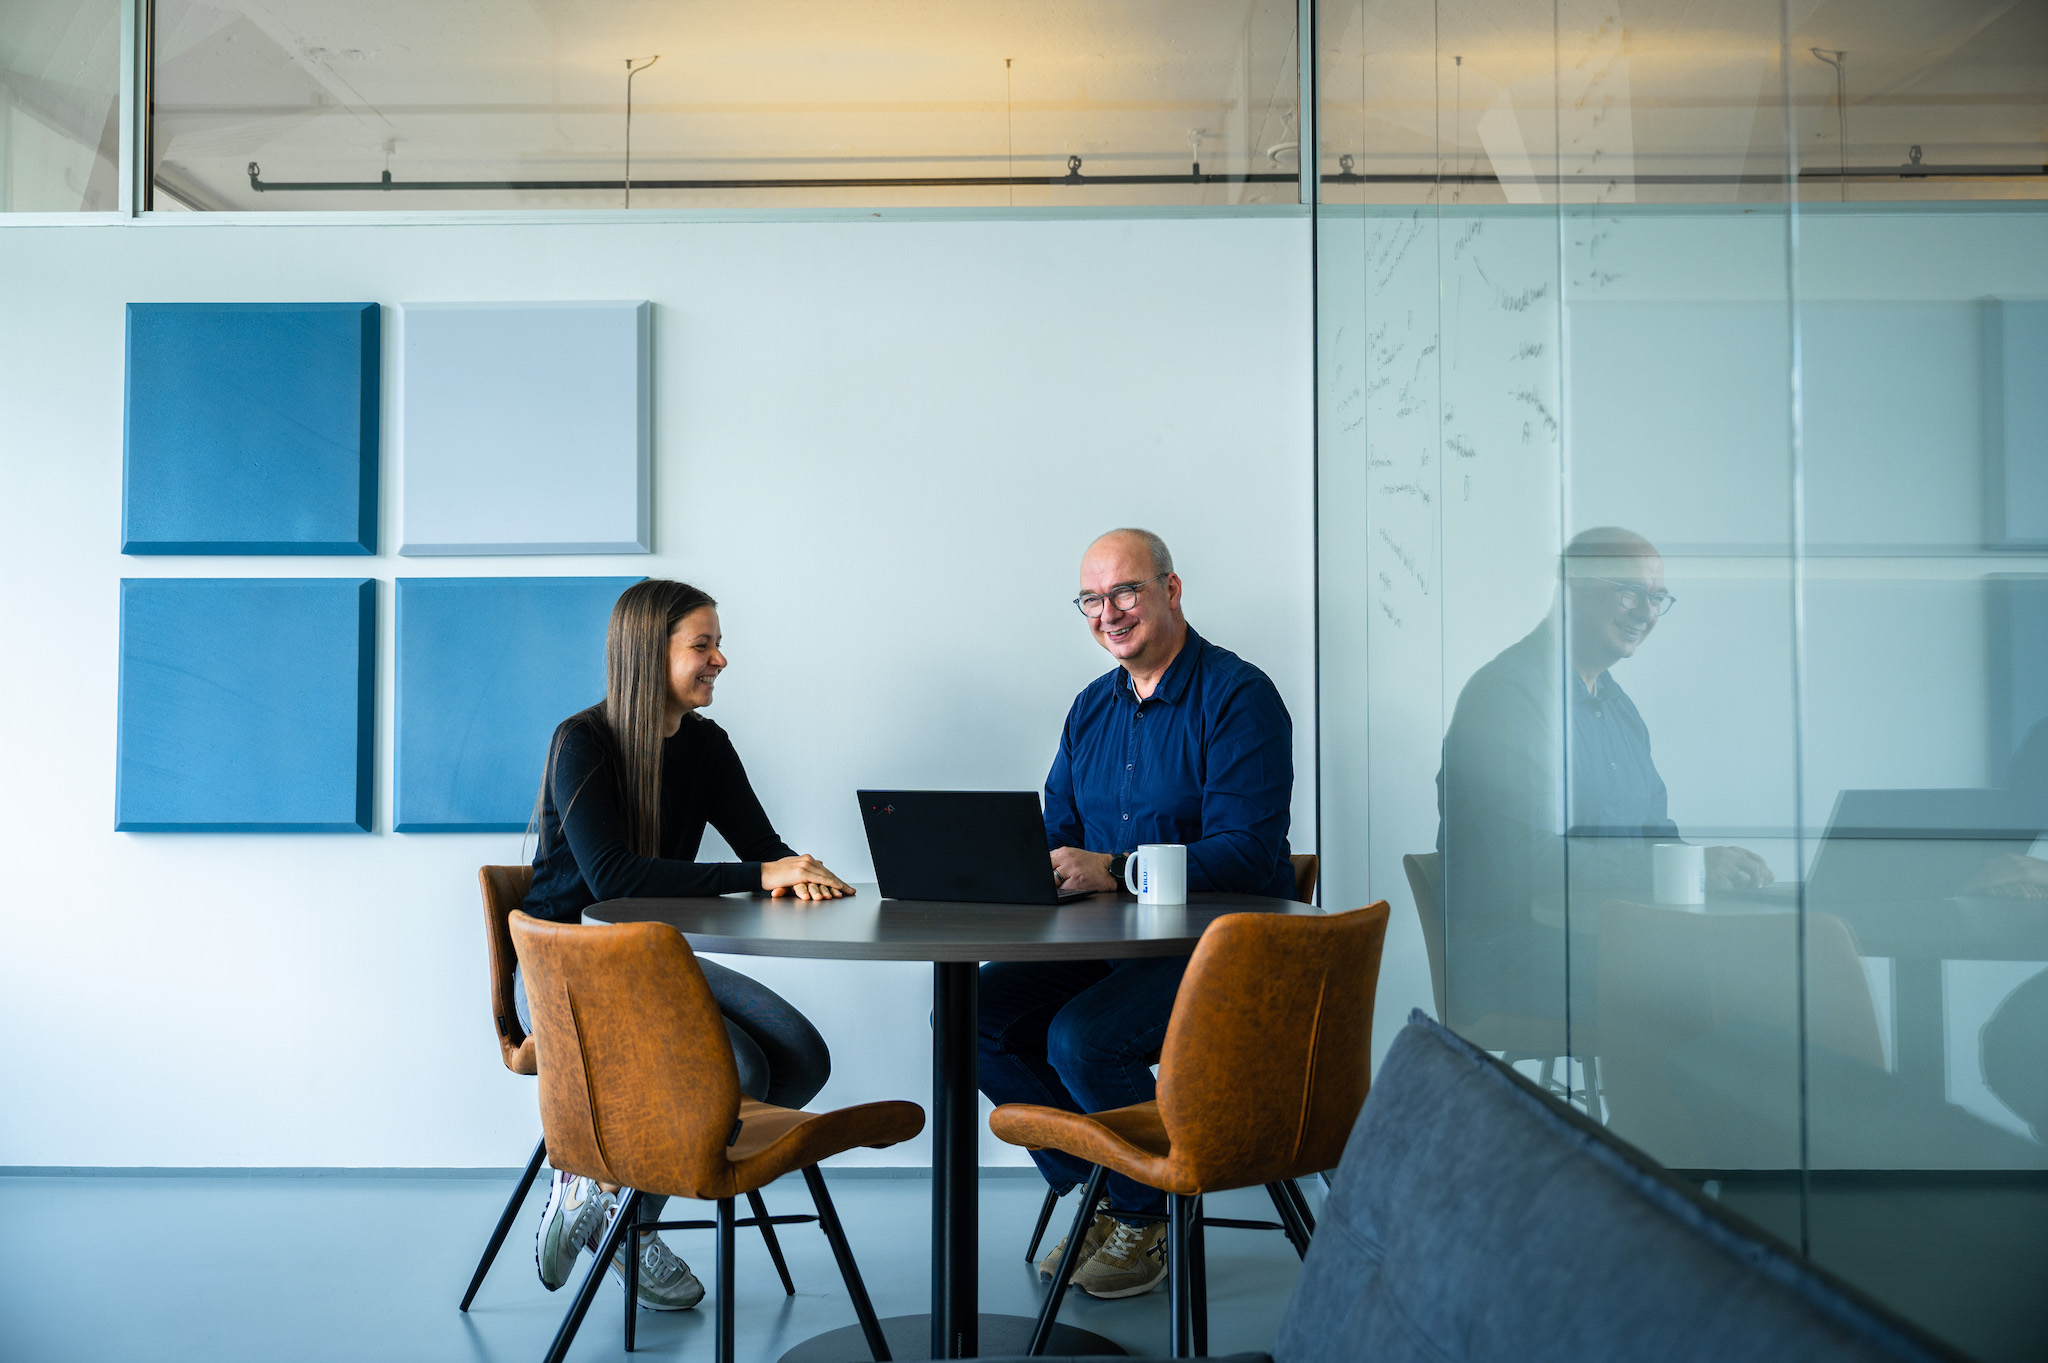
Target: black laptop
<point>1917,844</point>
<point>982,846</point>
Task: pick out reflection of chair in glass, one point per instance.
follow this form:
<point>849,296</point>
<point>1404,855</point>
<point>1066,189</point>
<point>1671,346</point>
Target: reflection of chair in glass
<point>1701,1063</point>
<point>1693,1005</point>
<point>2011,1047</point>
<point>1513,1036</point>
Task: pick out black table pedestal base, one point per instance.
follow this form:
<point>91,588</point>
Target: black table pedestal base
<point>910,1337</point>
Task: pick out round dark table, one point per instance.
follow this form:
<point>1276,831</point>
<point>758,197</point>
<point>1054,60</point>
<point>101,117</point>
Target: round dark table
<point>955,938</point>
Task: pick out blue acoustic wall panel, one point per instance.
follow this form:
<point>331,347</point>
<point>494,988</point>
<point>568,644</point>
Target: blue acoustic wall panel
<point>251,428</point>
<point>246,705</point>
<point>524,428</point>
<point>487,667</point>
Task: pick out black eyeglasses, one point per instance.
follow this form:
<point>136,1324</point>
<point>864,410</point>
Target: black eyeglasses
<point>1634,594</point>
<point>1124,595</point>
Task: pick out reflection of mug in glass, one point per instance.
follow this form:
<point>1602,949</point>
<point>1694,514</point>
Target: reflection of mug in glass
<point>1158,873</point>
<point>1679,872</point>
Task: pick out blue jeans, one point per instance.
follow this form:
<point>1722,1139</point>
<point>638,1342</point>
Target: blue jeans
<point>1078,1035</point>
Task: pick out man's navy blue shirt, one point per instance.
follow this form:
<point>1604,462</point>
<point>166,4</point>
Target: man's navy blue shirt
<point>1206,760</point>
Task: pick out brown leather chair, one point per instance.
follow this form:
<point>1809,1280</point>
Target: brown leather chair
<point>1266,1062</point>
<point>504,890</point>
<point>1306,867</point>
<point>1512,1036</point>
<point>638,1088</point>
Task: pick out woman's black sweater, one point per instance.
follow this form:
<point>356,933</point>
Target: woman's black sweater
<point>583,859</point>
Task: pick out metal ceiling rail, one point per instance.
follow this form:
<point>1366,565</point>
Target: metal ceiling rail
<point>1073,177</point>
<point>1913,170</point>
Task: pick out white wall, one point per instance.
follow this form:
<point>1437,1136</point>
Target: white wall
<point>881,445</point>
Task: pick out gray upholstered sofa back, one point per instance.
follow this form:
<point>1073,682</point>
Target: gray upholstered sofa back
<point>1473,1220</point>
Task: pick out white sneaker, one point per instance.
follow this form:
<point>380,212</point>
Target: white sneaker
<point>576,1209</point>
<point>666,1283</point>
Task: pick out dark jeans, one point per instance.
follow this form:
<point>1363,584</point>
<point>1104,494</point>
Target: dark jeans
<point>781,1058</point>
<point>1079,1035</point>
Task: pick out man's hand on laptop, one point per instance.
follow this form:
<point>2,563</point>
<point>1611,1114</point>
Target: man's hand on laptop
<point>1081,870</point>
<point>2011,876</point>
<point>1736,868</point>
<point>805,877</point>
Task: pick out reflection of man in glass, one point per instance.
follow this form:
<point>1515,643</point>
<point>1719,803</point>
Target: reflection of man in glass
<point>1502,791</point>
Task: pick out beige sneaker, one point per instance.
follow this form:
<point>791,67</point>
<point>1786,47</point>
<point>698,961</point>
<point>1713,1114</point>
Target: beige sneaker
<point>1098,1231</point>
<point>1131,1262</point>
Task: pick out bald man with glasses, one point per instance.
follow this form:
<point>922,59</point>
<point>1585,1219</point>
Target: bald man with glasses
<point>1180,742</point>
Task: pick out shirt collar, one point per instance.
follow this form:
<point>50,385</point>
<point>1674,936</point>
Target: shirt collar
<point>1179,673</point>
<point>1603,688</point>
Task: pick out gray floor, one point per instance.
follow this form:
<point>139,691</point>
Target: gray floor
<point>229,1268</point>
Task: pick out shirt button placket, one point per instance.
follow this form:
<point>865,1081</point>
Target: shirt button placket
<point>1130,765</point>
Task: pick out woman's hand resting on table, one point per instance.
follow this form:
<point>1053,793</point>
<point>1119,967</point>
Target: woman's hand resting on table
<point>804,877</point>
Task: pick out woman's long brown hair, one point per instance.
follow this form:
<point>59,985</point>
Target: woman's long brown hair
<point>628,720</point>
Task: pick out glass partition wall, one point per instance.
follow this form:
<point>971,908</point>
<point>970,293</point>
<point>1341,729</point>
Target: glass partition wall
<point>1684,592</point>
<point>60,75</point>
<point>310,104</point>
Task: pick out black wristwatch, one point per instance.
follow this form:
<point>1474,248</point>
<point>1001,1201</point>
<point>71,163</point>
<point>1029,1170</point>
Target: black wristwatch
<point>1116,866</point>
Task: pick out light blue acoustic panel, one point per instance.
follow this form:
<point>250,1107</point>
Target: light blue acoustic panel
<point>246,705</point>
<point>251,428</point>
<point>2016,424</point>
<point>524,428</point>
<point>487,667</point>
<point>2019,663</point>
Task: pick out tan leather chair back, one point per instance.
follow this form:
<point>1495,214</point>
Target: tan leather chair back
<point>1306,865</point>
<point>637,1082</point>
<point>1426,882</point>
<point>1269,1051</point>
<point>505,890</point>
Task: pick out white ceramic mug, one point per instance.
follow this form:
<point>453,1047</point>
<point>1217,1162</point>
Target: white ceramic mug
<point>1158,873</point>
<point>1679,872</point>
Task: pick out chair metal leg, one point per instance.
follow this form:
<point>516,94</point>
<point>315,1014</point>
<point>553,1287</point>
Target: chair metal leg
<point>633,1246</point>
<point>1069,1261</point>
<point>1301,1208</point>
<point>1198,1278</point>
<point>1052,1199</point>
<point>835,1235</point>
<point>1178,1307</point>
<point>722,1347</point>
<point>1290,1219</point>
<point>767,1225</point>
<point>512,1206</point>
<point>566,1335</point>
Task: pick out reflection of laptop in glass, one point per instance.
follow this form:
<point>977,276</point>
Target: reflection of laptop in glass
<point>982,846</point>
<point>1916,844</point>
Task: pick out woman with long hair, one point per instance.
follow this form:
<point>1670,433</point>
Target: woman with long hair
<point>629,786</point>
